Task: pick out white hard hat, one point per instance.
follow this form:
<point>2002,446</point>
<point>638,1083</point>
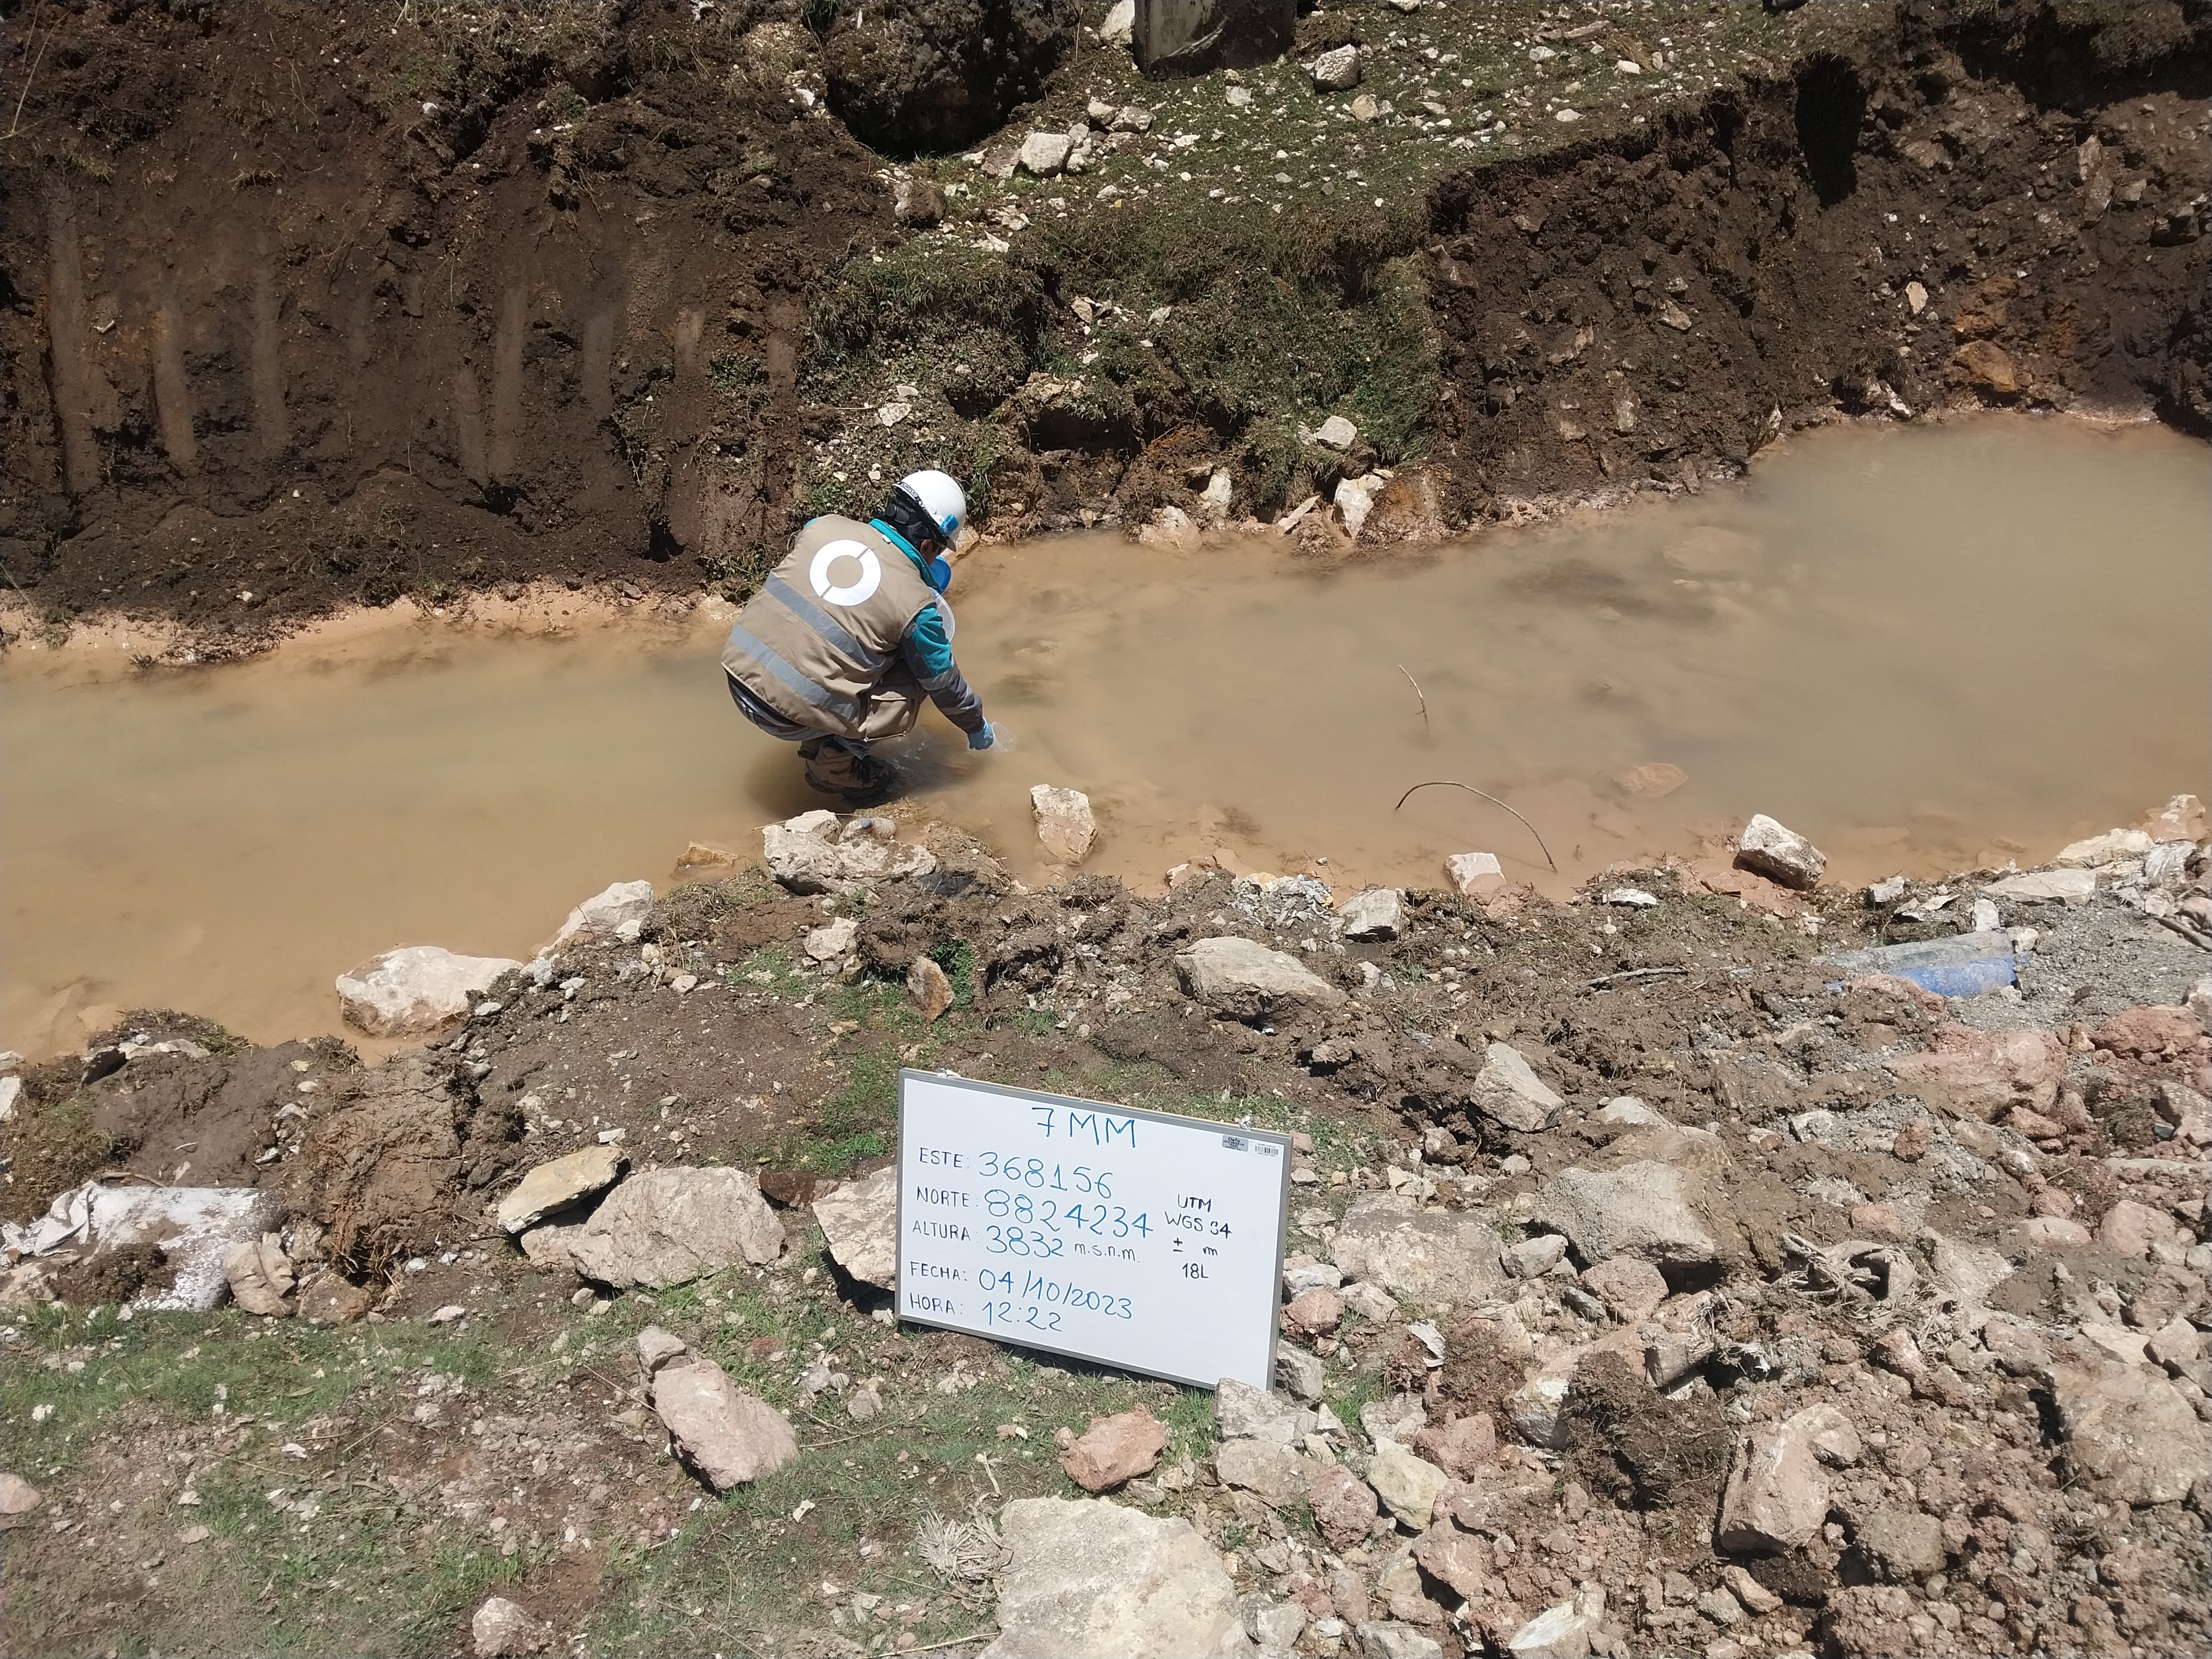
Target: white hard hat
<point>942,498</point>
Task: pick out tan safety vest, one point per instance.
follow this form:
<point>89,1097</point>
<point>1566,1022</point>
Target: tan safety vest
<point>817,640</point>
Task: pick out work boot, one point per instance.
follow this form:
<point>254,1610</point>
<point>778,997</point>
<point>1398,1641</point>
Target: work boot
<point>842,767</point>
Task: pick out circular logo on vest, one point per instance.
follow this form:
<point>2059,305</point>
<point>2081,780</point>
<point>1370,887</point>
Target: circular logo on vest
<point>859,591</point>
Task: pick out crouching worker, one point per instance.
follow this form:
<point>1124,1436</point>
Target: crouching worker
<point>845,638</point>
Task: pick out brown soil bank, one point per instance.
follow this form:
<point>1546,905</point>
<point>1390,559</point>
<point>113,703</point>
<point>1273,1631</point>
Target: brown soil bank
<point>325,305</point>
<point>2006,209</point>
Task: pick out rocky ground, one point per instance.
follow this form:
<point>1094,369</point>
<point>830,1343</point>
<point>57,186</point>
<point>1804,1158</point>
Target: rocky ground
<point>322,307</point>
<point>1655,1284</point>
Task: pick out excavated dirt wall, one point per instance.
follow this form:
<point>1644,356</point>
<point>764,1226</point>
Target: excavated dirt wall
<point>310,306</point>
<point>1962,213</point>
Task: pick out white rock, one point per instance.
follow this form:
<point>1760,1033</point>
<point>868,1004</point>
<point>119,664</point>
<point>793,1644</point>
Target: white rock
<point>502,1629</point>
<point>1562,1631</point>
<point>1377,913</point>
<point>1043,154</point>
<point>1638,1210</point>
<point>1508,1092</point>
<point>670,1226</point>
<point>1277,1627</point>
<point>2198,1002</point>
<point>1313,1276</point>
<point>1467,871</point>
<point>1118,26</point>
<point>1275,1472</point>
<point>1247,981</point>
<point>1371,1302</point>
<point>1780,854</point>
<point>556,1184</point>
<point>832,942</point>
<point>859,1224</point>
<point>1393,1638</point>
<point>11,1095</point>
<point>1064,822</point>
<point>196,1227</point>
<point>2071,886</point>
<point>1220,488</point>
<point>728,1437</point>
<point>1336,433</point>
<point>1425,1255</point>
<point>1355,500</point>
<point>1533,1257</point>
<point>625,905</point>
<point>2110,848</point>
<point>1629,1113</point>
<point>1089,1579</point>
<point>1337,70</point>
<point>1132,118</point>
<point>807,855</point>
<point>1634,898</point>
<point>1241,1412</point>
<point>1536,1409</point>
<point>1298,1373</point>
<point>415,989</point>
<point>1408,1486</point>
<point>2130,1432</point>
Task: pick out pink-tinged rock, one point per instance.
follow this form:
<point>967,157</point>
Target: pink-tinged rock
<point>2129,1432</point>
<point>1314,1312</point>
<point>1113,1449</point>
<point>2132,1229</point>
<point>1985,1074</point>
<point>18,1498</point>
<point>728,1436</point>
<point>2148,1033</point>
<point>1633,1290</point>
<point>1344,1506</point>
<point>1777,1496</point>
<point>2034,1125</point>
<point>1461,1447</point>
<point>2054,1232</point>
<point>2182,818</point>
<point>1460,1559</point>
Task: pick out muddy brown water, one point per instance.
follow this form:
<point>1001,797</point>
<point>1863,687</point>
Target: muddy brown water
<point>1925,648</point>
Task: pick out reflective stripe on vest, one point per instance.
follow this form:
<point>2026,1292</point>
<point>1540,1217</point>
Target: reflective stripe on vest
<point>819,696</point>
<point>822,623</point>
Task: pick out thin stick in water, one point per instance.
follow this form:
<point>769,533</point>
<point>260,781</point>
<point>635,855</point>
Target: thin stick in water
<point>1449,783</point>
<point>1418,692</point>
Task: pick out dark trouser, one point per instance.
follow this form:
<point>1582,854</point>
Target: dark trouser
<point>840,765</point>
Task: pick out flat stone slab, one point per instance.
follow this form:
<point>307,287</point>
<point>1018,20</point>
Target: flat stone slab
<point>860,1223</point>
<point>1426,1255</point>
<point>1249,982</point>
<point>1089,1579</point>
<point>559,1182</point>
<point>728,1437</point>
<point>415,990</point>
<point>1639,1210</point>
<point>670,1226</point>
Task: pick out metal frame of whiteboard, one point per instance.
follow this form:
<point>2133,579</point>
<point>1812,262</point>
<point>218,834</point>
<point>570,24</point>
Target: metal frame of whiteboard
<point>1210,1125</point>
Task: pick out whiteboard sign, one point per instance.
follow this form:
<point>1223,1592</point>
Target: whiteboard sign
<point>1150,1242</point>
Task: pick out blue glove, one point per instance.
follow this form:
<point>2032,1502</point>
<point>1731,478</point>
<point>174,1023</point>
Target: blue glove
<point>983,738</point>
